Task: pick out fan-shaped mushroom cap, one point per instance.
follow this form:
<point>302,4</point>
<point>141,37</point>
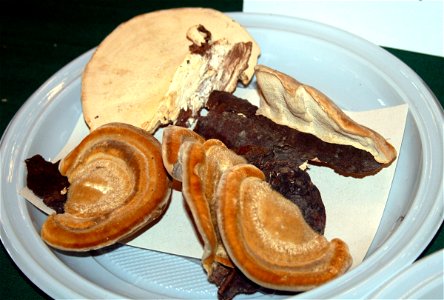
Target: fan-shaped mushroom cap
<point>143,72</point>
<point>172,139</point>
<point>218,159</point>
<point>241,219</point>
<point>267,238</point>
<point>192,161</point>
<point>289,102</point>
<point>202,166</point>
<point>117,185</point>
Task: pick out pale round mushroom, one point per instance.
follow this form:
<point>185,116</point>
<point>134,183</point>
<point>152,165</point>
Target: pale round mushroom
<point>155,64</point>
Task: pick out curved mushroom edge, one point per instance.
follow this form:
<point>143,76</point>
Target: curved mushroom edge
<point>117,185</point>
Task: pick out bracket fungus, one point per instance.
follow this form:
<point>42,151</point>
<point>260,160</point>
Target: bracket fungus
<point>201,163</point>
<point>172,138</point>
<point>288,102</point>
<point>267,237</point>
<point>247,224</point>
<point>117,185</point>
<point>155,64</point>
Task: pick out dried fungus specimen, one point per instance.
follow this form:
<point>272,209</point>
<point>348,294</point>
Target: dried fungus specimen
<point>239,214</point>
<point>306,109</point>
<point>268,239</point>
<point>117,185</point>
<point>46,182</point>
<point>155,64</point>
<point>201,164</point>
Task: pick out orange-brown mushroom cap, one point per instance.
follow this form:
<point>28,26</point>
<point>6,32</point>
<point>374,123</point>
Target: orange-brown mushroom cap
<point>192,157</point>
<point>117,185</point>
<point>267,238</point>
<point>173,137</point>
<point>198,164</point>
<point>202,166</point>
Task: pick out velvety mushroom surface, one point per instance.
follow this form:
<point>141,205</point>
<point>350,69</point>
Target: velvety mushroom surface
<point>117,185</point>
<point>267,238</point>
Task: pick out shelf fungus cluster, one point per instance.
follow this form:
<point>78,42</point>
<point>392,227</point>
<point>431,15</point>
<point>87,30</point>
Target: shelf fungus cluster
<point>243,222</point>
<point>117,185</point>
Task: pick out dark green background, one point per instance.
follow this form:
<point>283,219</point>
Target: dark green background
<point>37,38</point>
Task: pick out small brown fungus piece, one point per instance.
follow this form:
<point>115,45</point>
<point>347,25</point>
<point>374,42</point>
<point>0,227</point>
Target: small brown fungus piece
<point>45,181</point>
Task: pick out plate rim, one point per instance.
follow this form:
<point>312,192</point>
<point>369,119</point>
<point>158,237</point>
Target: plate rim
<point>243,18</point>
<point>427,270</point>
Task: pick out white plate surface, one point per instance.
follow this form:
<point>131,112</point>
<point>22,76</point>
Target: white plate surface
<point>355,73</point>
<point>422,280</point>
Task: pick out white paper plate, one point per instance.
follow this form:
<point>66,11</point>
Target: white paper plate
<point>357,74</point>
<point>422,280</point>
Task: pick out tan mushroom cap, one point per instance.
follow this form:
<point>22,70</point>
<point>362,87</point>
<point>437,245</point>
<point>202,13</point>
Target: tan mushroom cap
<point>267,238</point>
<point>172,138</point>
<point>117,185</point>
<point>201,165</point>
<point>218,159</point>
<point>194,190</point>
<point>289,102</point>
<point>143,72</point>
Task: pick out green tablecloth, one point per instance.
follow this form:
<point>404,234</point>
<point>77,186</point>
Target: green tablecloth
<point>40,37</point>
